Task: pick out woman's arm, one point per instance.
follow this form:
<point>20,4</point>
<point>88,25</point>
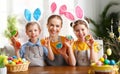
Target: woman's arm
<point>50,52</point>
<point>69,55</point>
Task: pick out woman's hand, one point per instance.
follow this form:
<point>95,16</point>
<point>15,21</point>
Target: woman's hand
<point>46,42</point>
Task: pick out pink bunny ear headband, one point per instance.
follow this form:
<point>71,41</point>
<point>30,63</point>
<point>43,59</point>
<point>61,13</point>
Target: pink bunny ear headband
<point>63,11</point>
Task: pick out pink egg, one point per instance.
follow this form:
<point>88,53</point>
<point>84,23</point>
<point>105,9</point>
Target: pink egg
<point>99,63</point>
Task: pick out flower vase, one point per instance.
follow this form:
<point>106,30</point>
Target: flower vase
<point>3,70</point>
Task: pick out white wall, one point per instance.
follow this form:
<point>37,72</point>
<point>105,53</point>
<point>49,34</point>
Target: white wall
<point>3,13</point>
<point>92,9</point>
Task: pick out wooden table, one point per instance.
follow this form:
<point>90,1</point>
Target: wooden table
<point>55,70</point>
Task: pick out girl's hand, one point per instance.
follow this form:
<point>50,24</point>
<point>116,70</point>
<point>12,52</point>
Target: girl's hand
<point>89,40</point>
<point>15,43</point>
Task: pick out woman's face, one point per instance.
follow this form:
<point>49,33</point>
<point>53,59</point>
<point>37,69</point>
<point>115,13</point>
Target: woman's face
<point>81,31</point>
<point>54,26</point>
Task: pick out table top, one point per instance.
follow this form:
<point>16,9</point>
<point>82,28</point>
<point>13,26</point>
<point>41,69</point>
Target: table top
<point>56,70</point>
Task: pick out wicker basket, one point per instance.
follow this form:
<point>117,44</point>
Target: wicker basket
<point>106,69</point>
<point>18,67</point>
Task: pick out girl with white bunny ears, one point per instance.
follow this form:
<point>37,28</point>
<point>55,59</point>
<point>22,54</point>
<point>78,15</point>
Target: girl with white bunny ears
<point>85,48</point>
<point>32,50</point>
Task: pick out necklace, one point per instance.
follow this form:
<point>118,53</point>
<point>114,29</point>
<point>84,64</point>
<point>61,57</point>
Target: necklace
<point>52,39</point>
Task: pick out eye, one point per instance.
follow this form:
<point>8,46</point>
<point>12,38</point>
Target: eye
<point>57,25</point>
<point>83,29</point>
<point>51,25</point>
<point>30,31</point>
<point>76,30</point>
<point>35,30</point>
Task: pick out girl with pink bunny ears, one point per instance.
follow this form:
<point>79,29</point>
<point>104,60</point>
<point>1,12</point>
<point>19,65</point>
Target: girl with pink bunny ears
<point>85,48</point>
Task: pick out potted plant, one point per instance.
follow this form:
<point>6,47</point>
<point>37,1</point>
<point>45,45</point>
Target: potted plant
<point>109,34</point>
<point>3,62</point>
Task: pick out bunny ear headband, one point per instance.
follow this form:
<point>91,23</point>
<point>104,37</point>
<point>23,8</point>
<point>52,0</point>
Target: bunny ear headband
<point>36,15</point>
<point>63,11</point>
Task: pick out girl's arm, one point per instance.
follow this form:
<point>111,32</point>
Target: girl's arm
<point>17,45</point>
<point>93,53</point>
<point>71,57</point>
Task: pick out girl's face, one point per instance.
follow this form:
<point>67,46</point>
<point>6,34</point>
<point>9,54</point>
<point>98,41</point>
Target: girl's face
<point>54,26</point>
<point>81,31</point>
<point>33,32</point>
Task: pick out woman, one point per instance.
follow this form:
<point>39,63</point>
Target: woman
<point>61,47</point>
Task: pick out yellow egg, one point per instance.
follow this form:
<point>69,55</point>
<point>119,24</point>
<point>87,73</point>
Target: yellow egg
<point>101,59</point>
<point>13,63</point>
<point>109,52</point>
<point>5,61</point>
<point>19,59</point>
<point>93,64</point>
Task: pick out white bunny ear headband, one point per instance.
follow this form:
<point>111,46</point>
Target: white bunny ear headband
<point>63,11</point>
<point>32,17</point>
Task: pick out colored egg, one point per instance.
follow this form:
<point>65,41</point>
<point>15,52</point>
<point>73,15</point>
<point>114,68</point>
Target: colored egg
<point>19,59</point>
<point>24,60</point>
<point>13,63</point>
<point>112,34</point>
<point>101,59</point>
<point>14,57</point>
<point>105,56</point>
<point>10,58</point>
<point>5,61</point>
<point>109,52</point>
<point>99,63</point>
<point>106,62</point>
<point>87,37</point>
<point>9,61</point>
<point>93,64</point>
<point>43,42</point>
<point>112,62</point>
<point>59,45</point>
<point>69,37</point>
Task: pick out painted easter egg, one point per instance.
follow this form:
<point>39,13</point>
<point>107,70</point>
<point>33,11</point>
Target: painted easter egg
<point>59,45</point>
<point>69,37</point>
<point>105,56</point>
<point>109,52</point>
<point>101,59</point>
<point>42,42</point>
<point>87,38</point>
<point>99,63</point>
<point>106,62</point>
<point>112,62</point>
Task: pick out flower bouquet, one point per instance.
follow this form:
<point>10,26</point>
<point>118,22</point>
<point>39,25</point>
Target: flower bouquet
<point>12,30</point>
